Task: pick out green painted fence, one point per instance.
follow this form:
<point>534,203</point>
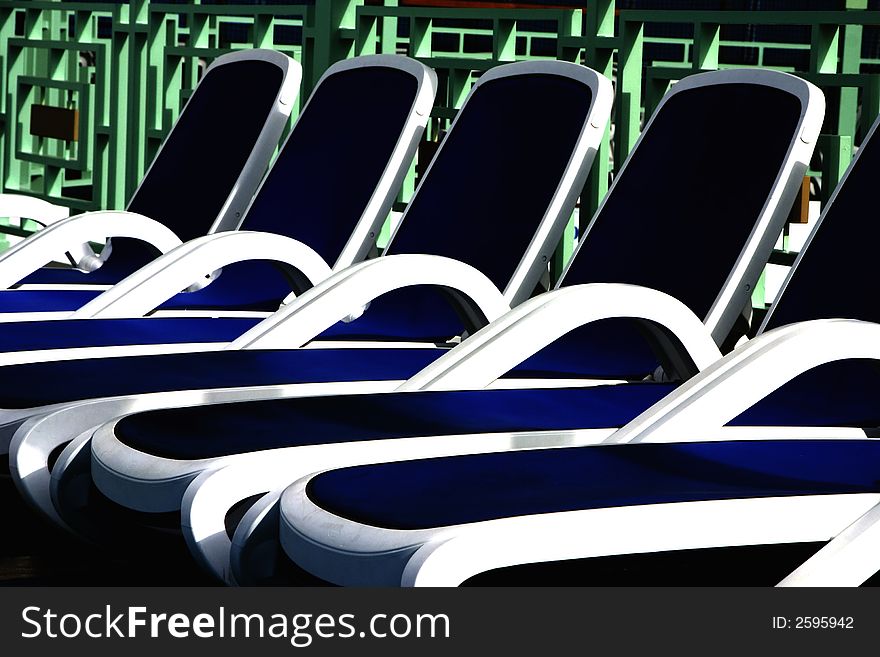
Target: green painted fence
<point>127,69</point>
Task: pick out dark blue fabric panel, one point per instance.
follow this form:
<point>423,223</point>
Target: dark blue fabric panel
<point>37,384</point>
<point>837,394</point>
<point>812,400</point>
<point>189,433</point>
<point>67,276</point>
<point>831,279</point>
<point>253,285</point>
<point>607,349</point>
<point>319,187</point>
<point>134,255</point>
<point>415,313</point>
<point>441,492</point>
<point>491,182</point>
<point>652,230</point>
<point>22,301</point>
<point>25,336</point>
<point>192,176</point>
<point>257,285</point>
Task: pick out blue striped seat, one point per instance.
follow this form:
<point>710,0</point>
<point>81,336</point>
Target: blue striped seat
<point>38,384</point>
<point>433,493</point>
<point>26,336</point>
<point>840,395</point>
<point>189,433</point>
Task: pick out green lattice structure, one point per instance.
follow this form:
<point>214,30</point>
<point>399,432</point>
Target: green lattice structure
<point>127,70</point>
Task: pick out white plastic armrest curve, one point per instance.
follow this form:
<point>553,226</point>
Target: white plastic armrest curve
<point>213,493</point>
<point>849,559</point>
<point>29,207</point>
<point>748,374</point>
<point>158,281</point>
<point>55,240</point>
<point>536,323</point>
<point>322,306</point>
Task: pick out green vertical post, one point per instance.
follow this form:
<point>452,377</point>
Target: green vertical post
<point>129,44</point>
<point>629,88</point>
<point>459,85</point>
<point>420,37</point>
<point>759,294</point>
<point>120,81</point>
<point>850,61</point>
<point>707,42</point>
<point>824,45</point>
<point>504,40</point>
<point>570,25</point>
<point>599,55</point>
<point>824,49</point>
<point>7,31</point>
<point>367,35</point>
<point>7,144</point>
<point>838,154</point>
<point>389,31</point>
<point>328,43</point>
<point>264,28</point>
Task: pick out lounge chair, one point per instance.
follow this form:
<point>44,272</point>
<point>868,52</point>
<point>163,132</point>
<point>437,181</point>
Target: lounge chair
<point>775,444</point>
<point>298,228</point>
<point>161,489</point>
<point>200,182</point>
<point>546,164</point>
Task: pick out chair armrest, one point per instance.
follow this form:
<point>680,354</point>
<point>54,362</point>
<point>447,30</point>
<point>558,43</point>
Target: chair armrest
<point>849,559</point>
<point>158,281</point>
<point>748,374</point>
<point>68,234</point>
<point>27,207</point>
<point>533,325</point>
<point>319,308</point>
<point>213,493</point>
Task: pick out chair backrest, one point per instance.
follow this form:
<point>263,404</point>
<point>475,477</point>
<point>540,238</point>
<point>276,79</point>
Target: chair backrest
<point>340,169</point>
<point>830,275</point>
<point>700,201</point>
<point>506,178</point>
<point>212,161</point>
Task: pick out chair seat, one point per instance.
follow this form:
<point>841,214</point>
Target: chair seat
<point>69,276</point>
<point>28,301</point>
<point>823,399</point>
<point>607,349</point>
<point>254,286</point>
<point>128,256</point>
<point>192,433</point>
<point>38,384</point>
<point>434,493</point>
<point>27,336</point>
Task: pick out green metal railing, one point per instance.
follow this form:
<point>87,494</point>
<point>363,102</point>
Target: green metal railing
<point>127,69</point>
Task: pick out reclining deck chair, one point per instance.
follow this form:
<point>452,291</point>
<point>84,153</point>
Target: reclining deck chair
<point>299,200</point>
<point>540,170</point>
<point>162,489</point>
<point>200,182</point>
<point>775,444</point>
